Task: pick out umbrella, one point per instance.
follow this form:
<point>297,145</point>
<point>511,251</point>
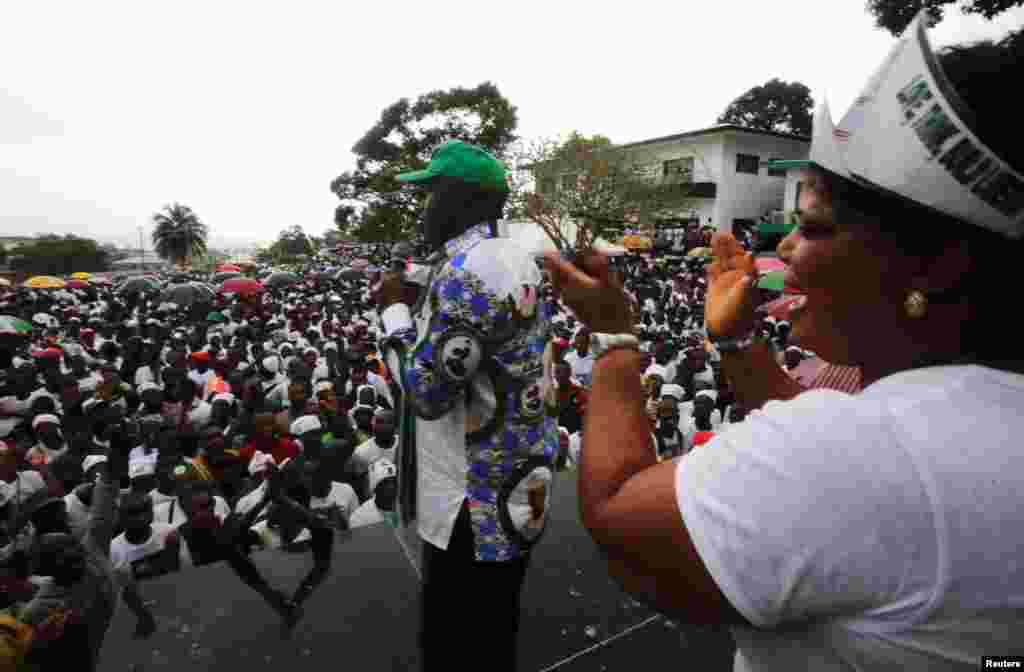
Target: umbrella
<point>766,264</point>
<point>14,326</point>
<point>241,286</point>
<point>221,276</point>
<point>183,294</point>
<point>215,317</point>
<point>281,279</point>
<point>228,268</point>
<point>700,252</point>
<point>101,281</point>
<point>4,282</point>
<point>78,284</point>
<point>139,286</point>
<point>81,275</point>
<point>44,282</point>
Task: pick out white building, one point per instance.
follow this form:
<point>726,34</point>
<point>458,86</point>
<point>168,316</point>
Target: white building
<point>727,164</point>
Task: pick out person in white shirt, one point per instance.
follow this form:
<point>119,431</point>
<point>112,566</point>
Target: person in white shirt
<point>381,445</point>
<point>835,531</point>
<point>580,359</point>
<point>337,501</point>
<point>146,549</point>
<point>383,482</point>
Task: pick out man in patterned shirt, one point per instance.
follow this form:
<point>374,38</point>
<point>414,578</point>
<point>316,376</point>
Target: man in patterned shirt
<point>470,367</point>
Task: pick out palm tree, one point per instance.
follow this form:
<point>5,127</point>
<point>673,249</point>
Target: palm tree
<point>178,233</point>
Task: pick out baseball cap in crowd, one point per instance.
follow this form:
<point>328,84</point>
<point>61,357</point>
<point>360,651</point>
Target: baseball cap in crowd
<point>379,470</point>
<point>672,390</point>
<point>304,424</point>
<point>462,161</point>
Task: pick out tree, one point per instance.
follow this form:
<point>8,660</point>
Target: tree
<point>178,234</point>
<point>54,255</point>
<point>293,242</point>
<point>895,15</point>
<point>582,189</point>
<point>402,140</point>
<point>776,105</point>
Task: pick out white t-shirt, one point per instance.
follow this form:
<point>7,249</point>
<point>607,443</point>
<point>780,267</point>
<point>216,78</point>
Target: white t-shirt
<point>367,453</point>
<point>130,560</point>
<point>342,495</point>
<point>882,530</point>
<point>366,514</point>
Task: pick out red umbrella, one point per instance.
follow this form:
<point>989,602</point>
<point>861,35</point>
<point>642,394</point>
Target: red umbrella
<point>767,264</point>
<point>77,284</point>
<point>241,286</point>
<point>228,268</point>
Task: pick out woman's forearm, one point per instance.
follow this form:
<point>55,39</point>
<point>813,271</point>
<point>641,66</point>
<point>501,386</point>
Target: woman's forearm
<point>616,435</point>
<point>757,378</point>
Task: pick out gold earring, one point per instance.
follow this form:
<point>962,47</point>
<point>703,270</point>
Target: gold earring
<point>916,305</point>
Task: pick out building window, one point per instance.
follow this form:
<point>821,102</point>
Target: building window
<point>747,163</point>
<point>678,168</point>
<point>776,172</point>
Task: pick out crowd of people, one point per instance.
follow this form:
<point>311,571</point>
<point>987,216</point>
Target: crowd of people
<point>262,421</point>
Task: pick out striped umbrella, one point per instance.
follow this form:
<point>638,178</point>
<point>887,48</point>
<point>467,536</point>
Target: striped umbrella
<point>44,282</point>
<point>82,275</point>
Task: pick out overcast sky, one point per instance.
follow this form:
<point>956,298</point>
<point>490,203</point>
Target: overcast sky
<point>245,111</point>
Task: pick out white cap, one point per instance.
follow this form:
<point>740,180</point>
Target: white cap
<point>91,461</point>
<point>271,364</point>
<point>710,394</point>
<point>656,370</point>
<point>223,396</point>
<point>672,390</point>
<point>379,470</point>
<point>323,385</point>
<point>306,423</point>
<point>45,417</point>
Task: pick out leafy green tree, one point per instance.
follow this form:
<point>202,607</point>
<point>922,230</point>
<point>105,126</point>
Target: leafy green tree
<point>585,188</point>
<point>178,234</point>
<point>402,140</point>
<point>53,255</point>
<point>895,15</point>
<point>783,107</point>
<point>293,242</point>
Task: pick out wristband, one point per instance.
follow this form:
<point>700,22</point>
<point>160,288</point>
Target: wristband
<point>602,344</point>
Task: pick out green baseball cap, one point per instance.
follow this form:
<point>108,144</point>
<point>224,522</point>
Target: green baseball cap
<point>463,161</point>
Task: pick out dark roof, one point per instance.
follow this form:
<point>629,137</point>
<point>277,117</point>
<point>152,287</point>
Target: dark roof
<point>712,130</point>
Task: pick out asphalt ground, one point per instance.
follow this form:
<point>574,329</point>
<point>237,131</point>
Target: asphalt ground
<point>574,618</point>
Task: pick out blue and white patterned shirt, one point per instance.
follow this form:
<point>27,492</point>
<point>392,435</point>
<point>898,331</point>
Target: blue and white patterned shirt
<point>473,375</point>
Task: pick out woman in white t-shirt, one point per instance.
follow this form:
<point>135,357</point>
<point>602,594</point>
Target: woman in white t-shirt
<point>836,532</point>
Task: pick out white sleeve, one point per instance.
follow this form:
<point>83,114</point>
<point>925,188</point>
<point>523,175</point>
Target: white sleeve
<point>810,509</point>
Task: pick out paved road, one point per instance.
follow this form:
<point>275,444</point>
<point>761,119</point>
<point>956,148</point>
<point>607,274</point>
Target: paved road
<point>364,616</point>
